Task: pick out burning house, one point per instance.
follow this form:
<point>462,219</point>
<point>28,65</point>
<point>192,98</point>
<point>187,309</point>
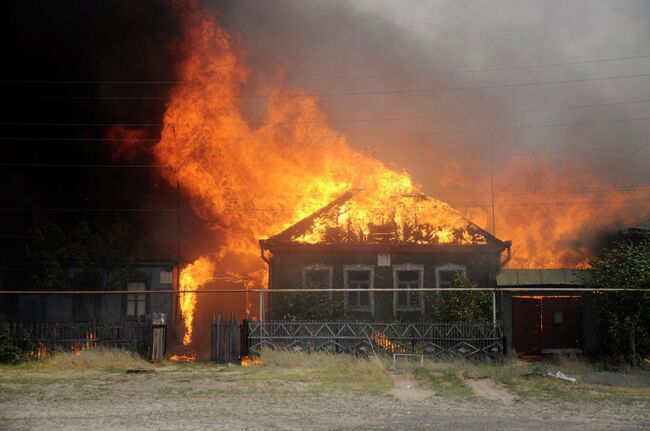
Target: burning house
<point>402,242</point>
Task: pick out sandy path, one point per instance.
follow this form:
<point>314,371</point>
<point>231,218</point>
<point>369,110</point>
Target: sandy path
<point>407,388</point>
<point>488,388</point>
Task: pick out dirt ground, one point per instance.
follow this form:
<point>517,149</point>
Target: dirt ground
<point>206,397</point>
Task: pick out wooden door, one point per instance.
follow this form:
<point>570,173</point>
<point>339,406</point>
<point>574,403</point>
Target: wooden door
<point>561,323</point>
<point>526,325</point>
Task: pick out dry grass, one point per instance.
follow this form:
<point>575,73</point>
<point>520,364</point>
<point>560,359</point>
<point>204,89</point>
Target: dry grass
<point>529,380</point>
<point>328,371</point>
<point>96,359</point>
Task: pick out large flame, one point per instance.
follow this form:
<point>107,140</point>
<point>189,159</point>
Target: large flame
<point>414,219</point>
<point>192,277</point>
<point>253,182</point>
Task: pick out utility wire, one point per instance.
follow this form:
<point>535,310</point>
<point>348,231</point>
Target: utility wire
<point>334,94</point>
<point>71,165</point>
<point>443,156</point>
<point>547,202</point>
<point>431,73</point>
<point>341,135</point>
<point>335,121</point>
<point>444,193</point>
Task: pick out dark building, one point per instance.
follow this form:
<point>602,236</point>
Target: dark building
<point>421,247</point>
<point>150,267</point>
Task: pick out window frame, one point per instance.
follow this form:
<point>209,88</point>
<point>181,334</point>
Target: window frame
<point>126,299</point>
<point>317,267</point>
<point>408,267</point>
<point>449,267</point>
<point>371,296</point>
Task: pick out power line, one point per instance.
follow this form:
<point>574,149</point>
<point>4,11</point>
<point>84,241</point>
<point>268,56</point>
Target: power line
<point>443,193</point>
<point>419,133</point>
<point>574,150</point>
<point>262,290</point>
<point>20,209</point>
<point>493,69</point>
<point>335,121</point>
<point>445,156</point>
<point>548,191</point>
<point>47,138</point>
<point>428,73</point>
<point>333,94</point>
<point>71,165</point>
<point>546,202</point>
<point>558,203</point>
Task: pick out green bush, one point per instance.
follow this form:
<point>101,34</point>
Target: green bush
<point>306,306</point>
<point>460,305</point>
<point>625,315</point>
<point>10,353</point>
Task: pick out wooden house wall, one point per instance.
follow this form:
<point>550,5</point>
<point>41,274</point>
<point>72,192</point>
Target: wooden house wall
<point>286,273</point>
<point>107,308</point>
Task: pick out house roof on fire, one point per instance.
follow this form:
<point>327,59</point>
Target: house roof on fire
<point>413,220</point>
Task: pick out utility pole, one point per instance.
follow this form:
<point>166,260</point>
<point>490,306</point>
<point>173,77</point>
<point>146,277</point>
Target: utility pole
<point>494,226</point>
<point>178,217</point>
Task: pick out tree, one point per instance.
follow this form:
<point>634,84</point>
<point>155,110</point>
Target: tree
<point>626,315</point>
<point>87,257</point>
<point>307,305</point>
<point>461,305</point>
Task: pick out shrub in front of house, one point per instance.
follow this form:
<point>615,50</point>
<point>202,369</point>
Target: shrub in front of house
<point>459,305</point>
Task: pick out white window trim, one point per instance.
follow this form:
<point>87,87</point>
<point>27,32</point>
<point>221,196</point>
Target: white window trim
<point>360,267</point>
<point>449,267</point>
<point>408,267</point>
<point>318,267</point>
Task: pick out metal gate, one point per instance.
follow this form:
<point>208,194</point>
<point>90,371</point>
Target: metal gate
<point>433,340</point>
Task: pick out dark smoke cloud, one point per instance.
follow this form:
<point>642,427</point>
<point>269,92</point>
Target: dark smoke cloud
<point>328,39</point>
<point>317,43</point>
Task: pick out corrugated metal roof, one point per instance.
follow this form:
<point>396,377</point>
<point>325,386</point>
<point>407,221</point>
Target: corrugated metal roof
<point>543,277</point>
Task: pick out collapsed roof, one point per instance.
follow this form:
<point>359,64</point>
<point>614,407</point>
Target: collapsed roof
<point>413,219</point>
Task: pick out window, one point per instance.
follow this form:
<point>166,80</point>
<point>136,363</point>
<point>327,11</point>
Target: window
<point>445,274</point>
<point>166,277</point>
<point>405,278</point>
<point>359,277</point>
<point>136,302</point>
<point>316,276</point>
<point>558,318</point>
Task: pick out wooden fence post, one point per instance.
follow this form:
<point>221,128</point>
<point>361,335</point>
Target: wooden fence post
<point>158,335</point>
<point>225,339</point>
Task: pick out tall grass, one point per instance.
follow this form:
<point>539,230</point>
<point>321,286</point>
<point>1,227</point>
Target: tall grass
<point>331,370</point>
<point>95,359</point>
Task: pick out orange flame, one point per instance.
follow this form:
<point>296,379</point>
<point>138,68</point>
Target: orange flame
<point>89,343</point>
<point>251,182</point>
<point>193,277</point>
<point>190,357</point>
<point>248,361</point>
<point>40,353</point>
<point>381,340</point>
